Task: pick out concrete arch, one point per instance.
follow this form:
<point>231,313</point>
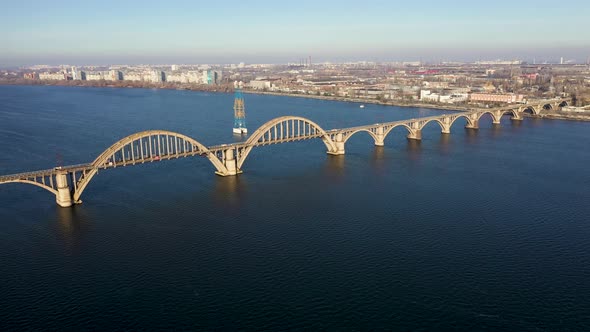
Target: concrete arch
<point>534,110</point>
<point>410,130</point>
<point>563,104</point>
<point>313,130</point>
<point>547,107</point>
<point>360,130</point>
<point>495,117</point>
<point>469,120</point>
<point>40,185</point>
<point>102,160</point>
<point>514,112</point>
<point>443,128</point>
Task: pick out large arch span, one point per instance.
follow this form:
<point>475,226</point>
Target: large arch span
<point>150,145</point>
<point>285,129</point>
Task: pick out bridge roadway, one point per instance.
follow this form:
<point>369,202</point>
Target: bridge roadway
<point>67,183</point>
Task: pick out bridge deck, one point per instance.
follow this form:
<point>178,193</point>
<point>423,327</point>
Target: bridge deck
<point>239,145</point>
<point>45,172</point>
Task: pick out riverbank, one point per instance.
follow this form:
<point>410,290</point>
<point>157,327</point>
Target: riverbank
<point>461,108</point>
<point>555,115</point>
<point>228,88</point>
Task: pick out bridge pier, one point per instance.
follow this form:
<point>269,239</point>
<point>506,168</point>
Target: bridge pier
<point>379,137</point>
<point>417,134</point>
<point>474,124</point>
<point>339,142</point>
<point>230,163</point>
<point>446,126</point>
<point>64,195</point>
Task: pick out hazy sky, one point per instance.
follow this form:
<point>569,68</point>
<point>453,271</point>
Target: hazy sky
<point>175,31</point>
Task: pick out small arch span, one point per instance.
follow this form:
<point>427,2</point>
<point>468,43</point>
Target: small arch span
<point>470,121</point>
<point>495,117</point>
<point>285,129</point>
<point>530,110</point>
<point>145,146</point>
<point>372,134</point>
<point>516,113</point>
<point>443,127</point>
<point>386,132</point>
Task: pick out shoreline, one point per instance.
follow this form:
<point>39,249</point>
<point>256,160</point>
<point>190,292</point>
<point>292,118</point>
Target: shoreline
<point>561,116</point>
<point>228,89</point>
<point>456,108</point>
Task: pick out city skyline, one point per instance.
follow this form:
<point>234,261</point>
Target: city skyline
<point>132,32</point>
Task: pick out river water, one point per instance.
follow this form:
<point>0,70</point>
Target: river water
<point>485,229</point>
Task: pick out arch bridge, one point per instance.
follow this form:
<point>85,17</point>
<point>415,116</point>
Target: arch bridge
<point>68,183</point>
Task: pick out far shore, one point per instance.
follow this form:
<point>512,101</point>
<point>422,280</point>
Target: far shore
<point>457,108</point>
<point>228,88</point>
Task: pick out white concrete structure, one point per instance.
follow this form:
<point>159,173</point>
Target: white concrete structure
<point>95,76</point>
<point>429,96</point>
<point>52,76</point>
<point>133,76</point>
<point>260,84</point>
<point>69,182</point>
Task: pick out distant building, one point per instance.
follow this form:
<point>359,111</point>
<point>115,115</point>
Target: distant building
<point>428,96</point>
<point>53,76</point>
<point>260,84</point>
<point>193,77</point>
<point>497,98</point>
<point>211,77</point>
<point>175,78</point>
<point>157,76</point>
<point>75,73</point>
<point>31,76</point>
<point>133,76</point>
<point>499,62</point>
<point>449,97</point>
<point>94,76</point>
<point>115,75</point>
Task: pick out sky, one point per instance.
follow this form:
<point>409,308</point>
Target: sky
<point>190,32</point>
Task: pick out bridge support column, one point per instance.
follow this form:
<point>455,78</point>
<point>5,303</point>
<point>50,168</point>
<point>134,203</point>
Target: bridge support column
<point>230,163</point>
<point>379,137</point>
<point>64,196</point>
<point>417,134</point>
<point>339,142</point>
<point>474,124</point>
<point>446,126</point>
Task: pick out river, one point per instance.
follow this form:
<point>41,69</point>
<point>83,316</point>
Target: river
<point>479,229</point>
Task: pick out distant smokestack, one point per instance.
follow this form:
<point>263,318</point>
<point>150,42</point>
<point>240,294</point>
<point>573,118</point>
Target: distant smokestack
<point>310,60</point>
